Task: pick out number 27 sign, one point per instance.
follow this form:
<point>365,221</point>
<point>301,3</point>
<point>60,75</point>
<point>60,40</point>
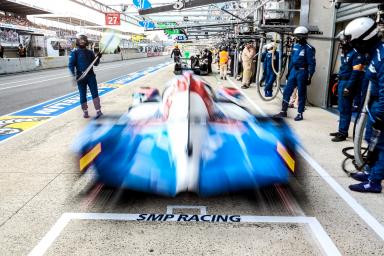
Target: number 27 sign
<point>112,19</point>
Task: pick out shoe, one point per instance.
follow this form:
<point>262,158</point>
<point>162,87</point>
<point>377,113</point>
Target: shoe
<point>299,117</point>
<point>281,114</point>
<point>360,176</point>
<point>221,78</point>
<point>85,114</point>
<point>368,186</point>
<point>98,114</point>
<point>340,137</point>
<point>268,94</point>
<point>244,87</point>
<point>334,134</point>
<point>225,78</point>
<point>291,106</point>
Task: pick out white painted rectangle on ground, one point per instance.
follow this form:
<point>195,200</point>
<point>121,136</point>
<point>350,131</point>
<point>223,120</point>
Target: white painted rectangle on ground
<point>268,234</point>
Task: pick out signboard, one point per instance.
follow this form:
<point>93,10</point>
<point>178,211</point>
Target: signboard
<point>142,4</point>
<point>112,19</point>
<point>146,24</point>
<point>169,31</point>
<point>137,38</point>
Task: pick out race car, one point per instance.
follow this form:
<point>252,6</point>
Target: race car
<point>199,65</point>
<point>145,94</point>
<point>188,141</point>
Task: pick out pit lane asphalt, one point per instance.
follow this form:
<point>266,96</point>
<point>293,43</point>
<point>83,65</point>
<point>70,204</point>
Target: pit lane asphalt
<point>39,182</point>
<point>23,90</point>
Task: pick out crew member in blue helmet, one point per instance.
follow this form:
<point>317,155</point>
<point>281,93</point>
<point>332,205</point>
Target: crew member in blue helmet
<point>79,60</point>
<point>270,58</point>
<point>350,76</point>
<point>300,71</point>
<point>364,36</point>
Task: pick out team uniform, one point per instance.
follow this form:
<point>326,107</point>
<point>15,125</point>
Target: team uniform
<point>79,60</point>
<point>350,74</point>
<point>269,74</point>
<point>375,74</point>
<point>301,67</point>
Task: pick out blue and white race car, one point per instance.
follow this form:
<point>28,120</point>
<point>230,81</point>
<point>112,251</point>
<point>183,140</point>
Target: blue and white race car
<point>189,140</point>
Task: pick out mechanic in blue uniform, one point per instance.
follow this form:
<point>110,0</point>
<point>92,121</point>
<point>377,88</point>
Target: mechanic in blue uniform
<point>350,77</point>
<point>79,60</point>
<point>269,74</point>
<point>300,71</point>
<point>364,37</point>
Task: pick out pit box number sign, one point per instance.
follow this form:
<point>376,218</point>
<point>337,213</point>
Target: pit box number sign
<point>112,19</point>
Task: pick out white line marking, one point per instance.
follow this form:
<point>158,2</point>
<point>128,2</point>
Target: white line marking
<point>350,200</point>
<point>54,117</point>
<point>51,236</point>
<point>356,207</point>
<point>33,78</point>
<point>321,236</point>
<point>50,79</point>
<point>104,66</point>
<point>170,208</point>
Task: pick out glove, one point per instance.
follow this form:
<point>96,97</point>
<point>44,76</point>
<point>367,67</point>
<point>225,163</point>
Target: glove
<point>309,81</point>
<point>99,54</point>
<point>378,124</point>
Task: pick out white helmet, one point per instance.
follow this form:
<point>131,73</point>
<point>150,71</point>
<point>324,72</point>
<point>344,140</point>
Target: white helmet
<point>340,35</point>
<point>361,29</point>
<point>301,30</point>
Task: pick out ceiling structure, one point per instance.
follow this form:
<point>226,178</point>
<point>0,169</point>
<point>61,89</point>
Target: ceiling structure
<point>200,18</point>
<point>221,18</point>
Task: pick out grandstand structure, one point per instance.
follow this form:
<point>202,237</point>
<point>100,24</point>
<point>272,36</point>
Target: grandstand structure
<point>16,29</point>
<point>45,33</point>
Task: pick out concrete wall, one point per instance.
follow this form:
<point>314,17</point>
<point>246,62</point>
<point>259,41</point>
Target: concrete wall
<point>16,65</point>
<point>322,17</point>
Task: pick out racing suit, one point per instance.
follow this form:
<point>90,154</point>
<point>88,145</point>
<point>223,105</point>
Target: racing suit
<point>79,60</point>
<point>300,71</point>
<point>375,74</point>
<point>270,75</point>
<point>350,74</point>
<point>176,54</point>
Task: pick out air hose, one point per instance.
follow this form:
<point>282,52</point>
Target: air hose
<point>360,153</point>
<point>282,64</point>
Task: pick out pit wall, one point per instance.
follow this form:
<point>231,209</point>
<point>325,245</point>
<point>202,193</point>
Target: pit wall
<point>323,17</point>
<point>17,65</point>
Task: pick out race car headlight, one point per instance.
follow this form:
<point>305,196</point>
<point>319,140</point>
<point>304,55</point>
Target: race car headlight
<point>288,159</point>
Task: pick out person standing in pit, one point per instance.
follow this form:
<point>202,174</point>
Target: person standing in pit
<point>247,58</point>
<point>223,63</point>
<point>350,74</point>
<point>176,54</point>
<point>300,71</point>
<point>364,37</point>
<point>79,60</point>
<point>270,59</point>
